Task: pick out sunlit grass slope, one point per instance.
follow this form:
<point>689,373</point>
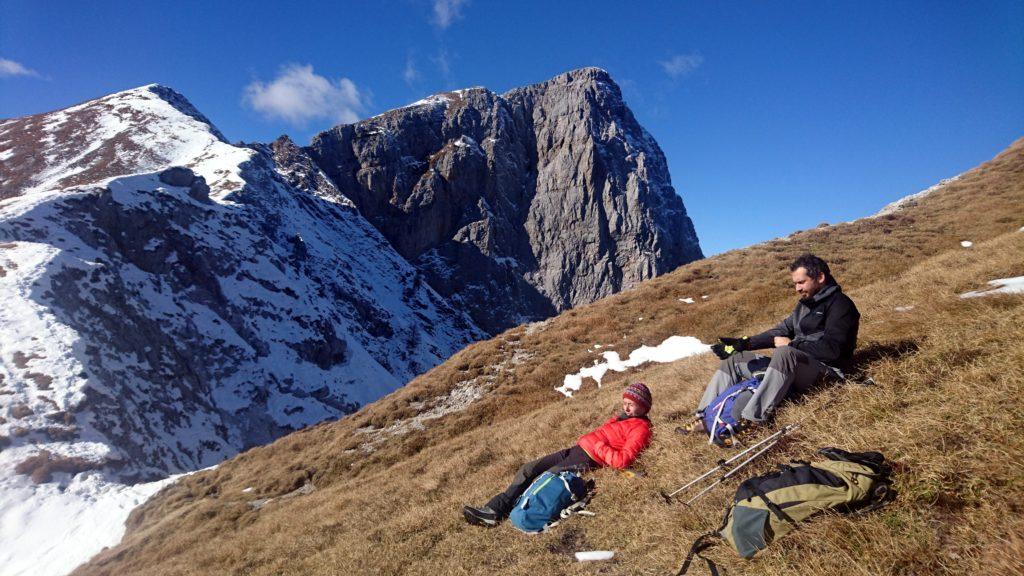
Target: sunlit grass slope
<point>384,489</point>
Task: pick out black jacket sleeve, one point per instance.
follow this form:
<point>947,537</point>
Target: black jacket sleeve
<point>841,324</point>
<point>766,339</point>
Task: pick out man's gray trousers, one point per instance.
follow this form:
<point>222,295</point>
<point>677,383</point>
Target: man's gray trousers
<point>788,369</point>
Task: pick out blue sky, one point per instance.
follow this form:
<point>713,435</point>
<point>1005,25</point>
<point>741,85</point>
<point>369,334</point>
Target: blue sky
<point>774,116</point>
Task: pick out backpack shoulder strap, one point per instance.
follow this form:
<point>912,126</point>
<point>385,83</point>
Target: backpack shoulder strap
<point>772,506</point>
<point>702,543</point>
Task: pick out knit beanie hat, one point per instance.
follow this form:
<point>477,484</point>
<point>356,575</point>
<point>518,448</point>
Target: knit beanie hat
<point>638,392</point>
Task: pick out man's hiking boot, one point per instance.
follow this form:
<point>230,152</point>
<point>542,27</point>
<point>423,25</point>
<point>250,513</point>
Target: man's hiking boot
<point>741,436</point>
<point>694,427</point>
<point>482,516</point>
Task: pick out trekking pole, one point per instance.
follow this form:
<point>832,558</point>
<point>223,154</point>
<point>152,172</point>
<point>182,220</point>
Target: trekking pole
<point>725,463</point>
<point>785,430</point>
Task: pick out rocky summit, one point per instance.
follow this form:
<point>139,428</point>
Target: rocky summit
<point>519,205</point>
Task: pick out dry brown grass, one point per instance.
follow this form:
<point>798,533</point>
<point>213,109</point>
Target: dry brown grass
<point>43,465</point>
<point>948,372</point>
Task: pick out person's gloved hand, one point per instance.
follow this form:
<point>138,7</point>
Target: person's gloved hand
<point>728,346</point>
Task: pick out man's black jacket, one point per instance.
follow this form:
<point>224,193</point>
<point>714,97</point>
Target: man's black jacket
<point>824,326</point>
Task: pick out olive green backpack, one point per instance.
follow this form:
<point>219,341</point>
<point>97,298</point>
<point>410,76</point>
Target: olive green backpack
<point>769,506</point>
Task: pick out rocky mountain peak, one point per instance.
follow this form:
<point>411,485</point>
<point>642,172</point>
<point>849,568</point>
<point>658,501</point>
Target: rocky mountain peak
<point>517,205</point>
<point>592,75</point>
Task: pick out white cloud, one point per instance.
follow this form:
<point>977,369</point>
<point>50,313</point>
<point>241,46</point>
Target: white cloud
<point>12,68</point>
<point>410,74</point>
<point>298,95</point>
<point>682,65</point>
<point>443,63</point>
<point>447,11</point>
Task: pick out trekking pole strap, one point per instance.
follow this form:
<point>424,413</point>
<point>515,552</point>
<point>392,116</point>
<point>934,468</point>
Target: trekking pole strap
<point>703,542</point>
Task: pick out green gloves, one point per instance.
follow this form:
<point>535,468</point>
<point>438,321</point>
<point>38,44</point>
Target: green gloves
<point>728,346</point>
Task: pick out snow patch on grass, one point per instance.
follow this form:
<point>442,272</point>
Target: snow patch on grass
<point>672,349</point>
<point>999,286</point>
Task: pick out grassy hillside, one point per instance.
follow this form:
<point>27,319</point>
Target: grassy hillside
<point>380,492</point>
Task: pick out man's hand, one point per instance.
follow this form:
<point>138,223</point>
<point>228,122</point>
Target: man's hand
<point>728,346</point>
<point>782,341</point>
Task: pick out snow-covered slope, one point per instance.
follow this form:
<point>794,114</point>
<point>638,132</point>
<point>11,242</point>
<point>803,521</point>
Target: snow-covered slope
<point>144,129</point>
<point>157,321</point>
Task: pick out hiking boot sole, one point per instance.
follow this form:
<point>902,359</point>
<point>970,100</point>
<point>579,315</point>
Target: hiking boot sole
<point>476,520</point>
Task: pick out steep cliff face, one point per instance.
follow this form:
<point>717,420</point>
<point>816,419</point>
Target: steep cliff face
<point>518,205</point>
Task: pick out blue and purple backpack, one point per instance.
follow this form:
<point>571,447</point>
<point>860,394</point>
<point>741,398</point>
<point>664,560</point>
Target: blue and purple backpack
<point>722,416</point>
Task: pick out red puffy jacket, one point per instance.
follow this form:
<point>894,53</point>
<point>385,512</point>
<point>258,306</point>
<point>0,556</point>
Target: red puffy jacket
<point>617,443</point>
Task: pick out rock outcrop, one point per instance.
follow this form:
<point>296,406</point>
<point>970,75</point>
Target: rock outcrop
<point>520,205</point>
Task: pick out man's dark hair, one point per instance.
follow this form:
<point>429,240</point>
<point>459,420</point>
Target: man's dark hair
<point>815,267</point>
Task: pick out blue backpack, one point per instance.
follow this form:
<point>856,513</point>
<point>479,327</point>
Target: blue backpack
<point>549,499</point>
<point>722,416</point>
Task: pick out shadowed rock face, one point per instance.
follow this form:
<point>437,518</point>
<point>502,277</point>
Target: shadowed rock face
<point>520,205</point>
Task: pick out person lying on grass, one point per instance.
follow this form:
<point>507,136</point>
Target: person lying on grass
<point>821,333</point>
<point>616,443</point>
